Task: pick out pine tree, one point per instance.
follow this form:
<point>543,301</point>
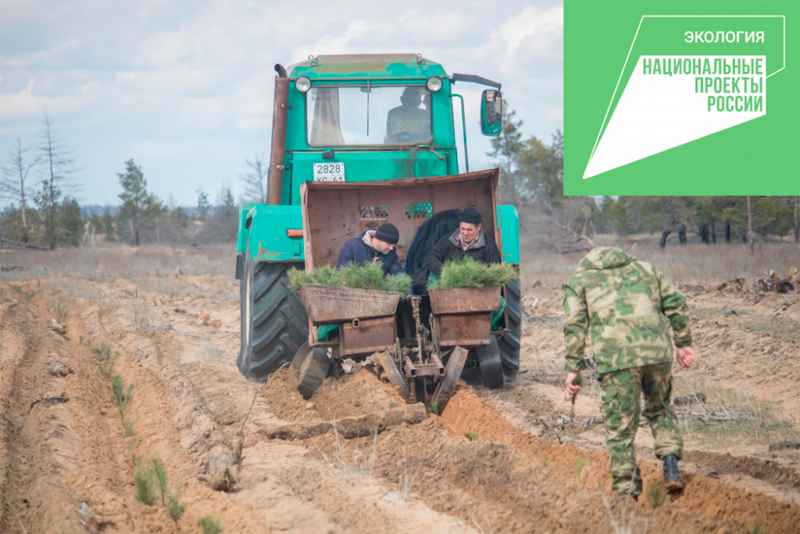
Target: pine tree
<point>108,225</point>
<point>202,205</point>
<point>69,223</point>
<point>135,198</point>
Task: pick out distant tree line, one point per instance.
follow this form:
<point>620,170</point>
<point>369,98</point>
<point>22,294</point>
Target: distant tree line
<point>38,186</point>
<point>532,178</point>
<point>37,194</point>
<point>143,218</point>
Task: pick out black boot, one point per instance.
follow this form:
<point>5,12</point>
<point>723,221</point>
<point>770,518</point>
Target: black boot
<point>672,476</point>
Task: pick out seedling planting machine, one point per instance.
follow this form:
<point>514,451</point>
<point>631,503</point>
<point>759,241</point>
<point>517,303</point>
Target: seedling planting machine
<point>346,158</point>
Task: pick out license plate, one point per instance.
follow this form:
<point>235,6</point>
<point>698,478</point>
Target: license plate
<point>329,172</point>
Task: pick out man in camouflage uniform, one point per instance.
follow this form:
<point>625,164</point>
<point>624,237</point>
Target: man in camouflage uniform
<point>621,301</point>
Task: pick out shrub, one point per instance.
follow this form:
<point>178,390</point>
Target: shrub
<point>472,435</point>
<point>467,272</point>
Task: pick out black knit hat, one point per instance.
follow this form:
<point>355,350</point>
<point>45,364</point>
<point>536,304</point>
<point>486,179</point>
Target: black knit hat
<point>388,234</point>
<point>470,215</point>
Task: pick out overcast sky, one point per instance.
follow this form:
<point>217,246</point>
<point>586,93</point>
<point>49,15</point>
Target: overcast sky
<point>185,87</point>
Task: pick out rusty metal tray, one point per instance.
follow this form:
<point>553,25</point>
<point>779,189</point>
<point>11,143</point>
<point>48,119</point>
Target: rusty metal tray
<point>465,300</point>
<point>326,304</point>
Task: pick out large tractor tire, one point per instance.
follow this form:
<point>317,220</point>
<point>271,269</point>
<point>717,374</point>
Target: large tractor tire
<point>509,343</point>
<point>274,321</point>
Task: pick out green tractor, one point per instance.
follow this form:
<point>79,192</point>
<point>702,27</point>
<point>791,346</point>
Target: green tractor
<point>384,125</point>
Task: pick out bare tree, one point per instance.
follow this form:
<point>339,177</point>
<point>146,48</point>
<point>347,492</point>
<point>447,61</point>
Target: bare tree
<point>13,181</point>
<point>256,180</point>
<point>58,166</point>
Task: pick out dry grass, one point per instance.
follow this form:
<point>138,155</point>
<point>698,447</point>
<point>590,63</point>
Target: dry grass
<point>118,261</point>
<point>729,413</point>
<point>694,262</point>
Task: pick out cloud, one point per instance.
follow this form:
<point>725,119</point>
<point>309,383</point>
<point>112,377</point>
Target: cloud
<point>177,81</point>
<point>40,56</point>
<point>25,104</point>
<point>253,101</point>
<point>149,74</point>
<point>547,24</point>
<point>532,34</point>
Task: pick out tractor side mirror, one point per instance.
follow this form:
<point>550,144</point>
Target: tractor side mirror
<point>491,112</point>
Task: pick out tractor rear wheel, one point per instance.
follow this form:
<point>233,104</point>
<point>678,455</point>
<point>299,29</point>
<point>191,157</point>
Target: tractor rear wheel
<point>274,321</point>
<point>510,342</point>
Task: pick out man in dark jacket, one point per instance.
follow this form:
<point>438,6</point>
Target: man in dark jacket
<point>468,240</point>
<point>373,246</point>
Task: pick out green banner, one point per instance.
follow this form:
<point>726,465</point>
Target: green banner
<point>681,98</point>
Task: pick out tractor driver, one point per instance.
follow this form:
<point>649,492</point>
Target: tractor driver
<point>408,123</point>
<point>467,240</point>
<point>373,246</point>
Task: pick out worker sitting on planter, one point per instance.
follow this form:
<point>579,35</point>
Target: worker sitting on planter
<point>373,246</point>
<point>467,240</point>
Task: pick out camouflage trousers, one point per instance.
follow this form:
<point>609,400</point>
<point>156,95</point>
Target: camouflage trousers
<point>621,411</point>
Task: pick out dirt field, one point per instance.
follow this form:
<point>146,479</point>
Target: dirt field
<point>67,461</point>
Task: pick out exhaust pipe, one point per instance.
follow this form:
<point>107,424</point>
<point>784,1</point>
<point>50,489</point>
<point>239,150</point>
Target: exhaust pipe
<point>277,157</point>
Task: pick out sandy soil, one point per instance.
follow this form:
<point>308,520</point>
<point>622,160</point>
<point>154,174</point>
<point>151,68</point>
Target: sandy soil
<point>62,441</point>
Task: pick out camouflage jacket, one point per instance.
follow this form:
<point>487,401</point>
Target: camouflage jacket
<point>621,300</point>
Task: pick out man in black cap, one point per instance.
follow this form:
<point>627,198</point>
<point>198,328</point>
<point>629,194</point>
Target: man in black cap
<point>373,246</point>
<point>468,240</point>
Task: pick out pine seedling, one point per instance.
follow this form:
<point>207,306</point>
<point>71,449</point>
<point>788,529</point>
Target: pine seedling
<point>118,386</point>
<point>352,275</point>
<point>105,367</point>
<point>472,435</point>
<point>61,312</point>
<point>580,463</point>
<point>18,289</point>
<point>433,408</point>
<point>145,485</point>
<point>323,276</point>
<point>29,296</point>
<point>127,426</point>
<point>466,272</point>
<point>160,477</point>
<point>209,524</point>
<point>175,508</point>
<point>654,494</point>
